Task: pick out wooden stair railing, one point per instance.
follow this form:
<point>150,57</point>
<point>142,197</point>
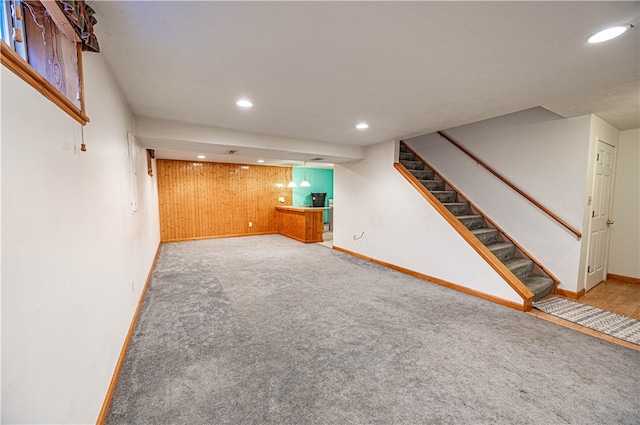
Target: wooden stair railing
<point>511,185</point>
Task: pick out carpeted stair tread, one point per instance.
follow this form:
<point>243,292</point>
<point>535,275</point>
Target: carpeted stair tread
<point>458,208</point>
<point>407,156</point>
<point>469,216</point>
<point>422,174</point>
<point>486,235</point>
<point>445,195</point>
<point>541,286</point>
<point>471,222</point>
<point>433,184</point>
<point>503,250</point>
<point>413,165</point>
<point>521,267</point>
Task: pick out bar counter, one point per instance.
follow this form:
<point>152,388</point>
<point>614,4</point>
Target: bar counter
<point>303,224</point>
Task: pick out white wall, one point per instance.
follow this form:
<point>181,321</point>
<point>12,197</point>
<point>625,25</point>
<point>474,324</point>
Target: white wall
<point>624,253</point>
<point>74,257</point>
<point>400,227</point>
<point>541,153</point>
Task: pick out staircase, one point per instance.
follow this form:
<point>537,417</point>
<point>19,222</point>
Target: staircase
<point>517,261</point>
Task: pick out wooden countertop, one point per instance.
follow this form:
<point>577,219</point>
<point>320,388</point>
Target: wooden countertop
<point>300,209</point>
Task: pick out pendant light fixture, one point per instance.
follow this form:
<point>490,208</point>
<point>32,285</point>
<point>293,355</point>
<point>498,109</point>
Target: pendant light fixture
<point>292,184</point>
<point>305,182</point>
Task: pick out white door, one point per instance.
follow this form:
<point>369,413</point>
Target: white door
<point>600,215</point>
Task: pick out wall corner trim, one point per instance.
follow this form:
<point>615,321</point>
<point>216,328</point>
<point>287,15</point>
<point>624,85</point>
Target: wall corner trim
<point>116,373</point>
<point>525,306</point>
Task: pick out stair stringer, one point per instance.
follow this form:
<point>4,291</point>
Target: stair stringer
<point>515,283</point>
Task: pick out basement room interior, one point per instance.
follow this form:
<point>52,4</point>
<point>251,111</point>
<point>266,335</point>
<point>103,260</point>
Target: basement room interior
<point>320,212</point>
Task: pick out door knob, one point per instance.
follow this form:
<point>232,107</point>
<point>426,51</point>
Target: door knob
<point>609,222</point>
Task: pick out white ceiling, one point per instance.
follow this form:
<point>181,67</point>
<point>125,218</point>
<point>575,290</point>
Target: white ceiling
<point>315,69</point>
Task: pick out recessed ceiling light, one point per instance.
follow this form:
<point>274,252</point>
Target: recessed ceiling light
<point>201,157</point>
<point>362,126</point>
<point>244,103</point>
<point>608,34</point>
<point>261,161</point>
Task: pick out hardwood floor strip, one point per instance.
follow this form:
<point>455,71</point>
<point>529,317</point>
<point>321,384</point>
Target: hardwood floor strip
<point>618,296</point>
<point>571,325</point>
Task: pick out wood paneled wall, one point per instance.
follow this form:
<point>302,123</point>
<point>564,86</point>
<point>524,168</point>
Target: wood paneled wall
<point>213,199</point>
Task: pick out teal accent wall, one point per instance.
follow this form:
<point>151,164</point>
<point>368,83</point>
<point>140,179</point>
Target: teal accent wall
<point>321,180</point>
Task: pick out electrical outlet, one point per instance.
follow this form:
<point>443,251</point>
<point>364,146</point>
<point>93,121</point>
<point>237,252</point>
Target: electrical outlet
<point>251,224</point>
<point>281,199</point>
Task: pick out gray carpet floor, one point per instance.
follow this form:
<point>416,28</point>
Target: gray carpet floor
<point>266,330</point>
